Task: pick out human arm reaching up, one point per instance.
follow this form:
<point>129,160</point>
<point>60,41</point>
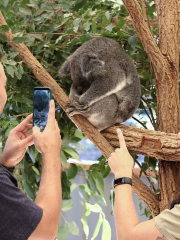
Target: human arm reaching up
<point>127,222</point>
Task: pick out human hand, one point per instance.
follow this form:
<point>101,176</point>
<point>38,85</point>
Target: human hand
<point>49,141</point>
<point>120,161</point>
<point>17,143</point>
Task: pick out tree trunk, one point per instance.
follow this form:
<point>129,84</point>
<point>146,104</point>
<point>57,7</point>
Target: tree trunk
<point>165,62</point>
<point>168,92</point>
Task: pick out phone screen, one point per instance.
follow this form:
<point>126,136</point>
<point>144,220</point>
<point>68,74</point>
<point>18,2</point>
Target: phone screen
<point>41,99</point>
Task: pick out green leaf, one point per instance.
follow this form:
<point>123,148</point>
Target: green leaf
<point>10,70</point>
<point>99,182</point>
<point>107,14</point>
<point>93,208</point>
<point>63,159</point>
<point>25,11</point>
<point>72,153</point>
<point>85,227</point>
<point>28,189</point>
<point>4,28</point>
<point>86,26</point>
<point>65,5</point>
<point>73,228</point>
<point>94,27</point>
<point>107,171</point>
<point>63,233</point>
<point>18,39</point>
<point>72,171</point>
<point>66,205</point>
<point>20,72</point>
<point>106,231</point>
<point>3,37</point>
<point>36,170</point>
<point>79,5</point>
<point>110,27</point>
<point>132,41</point>
<point>120,23</point>
<point>76,22</point>
<point>97,227</point>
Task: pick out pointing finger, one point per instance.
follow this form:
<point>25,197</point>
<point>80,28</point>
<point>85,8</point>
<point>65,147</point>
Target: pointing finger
<point>24,123</point>
<point>121,139</point>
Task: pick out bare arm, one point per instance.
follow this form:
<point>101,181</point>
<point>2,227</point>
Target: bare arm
<point>49,195</point>
<point>49,198</point>
<point>128,226</point>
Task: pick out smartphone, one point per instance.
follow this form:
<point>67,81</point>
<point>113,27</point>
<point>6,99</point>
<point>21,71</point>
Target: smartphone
<point>41,98</point>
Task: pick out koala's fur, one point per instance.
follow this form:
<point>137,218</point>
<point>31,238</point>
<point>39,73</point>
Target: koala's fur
<point>106,88</point>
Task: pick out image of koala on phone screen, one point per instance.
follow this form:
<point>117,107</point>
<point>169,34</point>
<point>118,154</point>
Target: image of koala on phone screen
<point>41,108</point>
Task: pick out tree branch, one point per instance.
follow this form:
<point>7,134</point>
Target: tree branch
<point>156,144</point>
<point>146,37</point>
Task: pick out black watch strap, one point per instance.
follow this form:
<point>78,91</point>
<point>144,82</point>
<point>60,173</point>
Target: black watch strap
<point>122,180</point>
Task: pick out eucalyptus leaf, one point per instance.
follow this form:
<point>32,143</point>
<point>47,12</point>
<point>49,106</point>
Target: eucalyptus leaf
<point>73,228</point>
<point>66,205</point>
<point>72,171</point>
<point>96,231</point>
<point>63,233</point>
<point>106,231</point>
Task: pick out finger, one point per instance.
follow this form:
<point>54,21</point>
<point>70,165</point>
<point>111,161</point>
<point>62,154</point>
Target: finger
<point>27,128</point>
<point>121,139</point>
<point>51,114</point>
<point>24,123</point>
<point>28,141</point>
<point>28,134</point>
<point>179,134</point>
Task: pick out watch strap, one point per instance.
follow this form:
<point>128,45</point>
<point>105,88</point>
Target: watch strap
<point>123,180</point>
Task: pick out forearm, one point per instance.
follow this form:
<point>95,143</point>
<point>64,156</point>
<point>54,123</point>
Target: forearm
<point>50,194</point>
<point>125,213</point>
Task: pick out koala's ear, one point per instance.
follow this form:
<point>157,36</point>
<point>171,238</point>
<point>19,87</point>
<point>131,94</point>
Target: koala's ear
<point>89,63</point>
<point>65,69</point>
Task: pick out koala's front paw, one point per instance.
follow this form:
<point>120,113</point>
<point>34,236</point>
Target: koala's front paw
<point>77,104</point>
<point>72,111</point>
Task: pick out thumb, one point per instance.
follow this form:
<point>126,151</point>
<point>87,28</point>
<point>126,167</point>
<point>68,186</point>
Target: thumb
<point>35,130</point>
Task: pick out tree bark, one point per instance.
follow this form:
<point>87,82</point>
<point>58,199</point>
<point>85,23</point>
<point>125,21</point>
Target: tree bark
<point>156,144</point>
<point>168,114</point>
<point>82,123</point>
<point>165,63</point>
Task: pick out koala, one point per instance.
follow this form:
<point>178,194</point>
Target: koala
<point>105,85</point>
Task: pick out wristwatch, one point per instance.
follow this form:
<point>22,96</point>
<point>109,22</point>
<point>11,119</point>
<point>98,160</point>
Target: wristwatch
<point>122,180</point>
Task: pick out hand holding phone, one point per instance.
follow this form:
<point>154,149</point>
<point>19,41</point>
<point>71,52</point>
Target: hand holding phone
<point>49,141</point>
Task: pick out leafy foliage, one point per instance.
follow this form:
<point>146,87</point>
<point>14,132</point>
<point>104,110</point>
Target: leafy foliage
<point>53,30</point>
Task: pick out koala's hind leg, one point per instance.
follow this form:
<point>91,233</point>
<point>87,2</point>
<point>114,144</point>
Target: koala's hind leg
<point>126,109</point>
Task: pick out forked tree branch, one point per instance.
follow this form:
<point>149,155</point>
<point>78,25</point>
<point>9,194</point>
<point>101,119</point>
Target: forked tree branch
<point>145,36</point>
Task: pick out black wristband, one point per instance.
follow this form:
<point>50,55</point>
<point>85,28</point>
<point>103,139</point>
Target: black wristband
<point>122,180</point>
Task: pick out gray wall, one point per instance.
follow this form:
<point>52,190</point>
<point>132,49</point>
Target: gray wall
<point>76,213</point>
